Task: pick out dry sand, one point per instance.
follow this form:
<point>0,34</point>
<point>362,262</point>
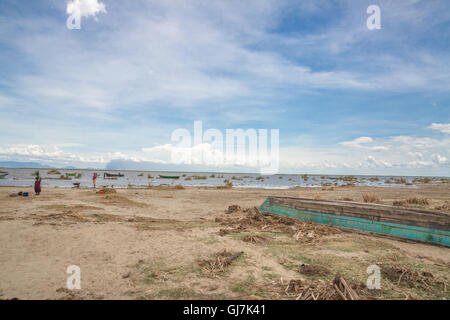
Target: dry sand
<point>155,244</point>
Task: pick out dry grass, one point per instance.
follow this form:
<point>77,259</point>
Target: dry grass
<point>419,201</point>
<point>371,197</point>
<point>412,201</point>
<point>255,239</point>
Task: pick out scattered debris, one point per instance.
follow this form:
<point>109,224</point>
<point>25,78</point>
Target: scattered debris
<point>232,209</point>
<point>401,276</point>
<point>219,263</point>
<point>255,239</point>
<point>251,220</point>
<point>444,207</point>
<point>294,286</point>
<point>338,289</point>
<point>343,289</point>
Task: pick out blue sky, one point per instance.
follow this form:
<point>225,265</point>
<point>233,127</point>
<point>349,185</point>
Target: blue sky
<point>346,99</point>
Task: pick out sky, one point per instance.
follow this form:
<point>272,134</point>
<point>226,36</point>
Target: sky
<point>345,99</point>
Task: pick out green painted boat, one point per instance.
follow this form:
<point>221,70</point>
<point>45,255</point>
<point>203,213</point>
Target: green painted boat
<point>398,222</point>
<point>3,175</point>
<point>71,174</point>
<point>169,177</point>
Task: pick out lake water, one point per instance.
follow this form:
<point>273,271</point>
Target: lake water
<point>25,178</point>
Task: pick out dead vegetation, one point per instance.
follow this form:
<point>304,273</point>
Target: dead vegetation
<point>219,262</point>
<point>371,197</point>
<point>251,220</point>
<point>255,239</point>
<point>444,207</point>
<point>401,276</point>
<point>338,289</point>
<point>422,202</point>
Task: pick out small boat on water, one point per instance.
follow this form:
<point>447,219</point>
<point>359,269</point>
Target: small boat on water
<point>392,221</point>
<point>71,174</point>
<point>112,175</point>
<point>3,175</point>
<point>169,177</point>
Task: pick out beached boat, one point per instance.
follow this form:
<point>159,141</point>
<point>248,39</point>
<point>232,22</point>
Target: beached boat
<point>398,222</point>
<point>3,175</point>
<point>169,177</point>
<point>71,174</point>
<point>112,175</point>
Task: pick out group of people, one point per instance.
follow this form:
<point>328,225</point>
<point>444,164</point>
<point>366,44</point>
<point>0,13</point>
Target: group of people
<point>38,179</point>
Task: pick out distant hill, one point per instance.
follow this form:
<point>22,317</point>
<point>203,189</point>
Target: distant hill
<point>17,164</point>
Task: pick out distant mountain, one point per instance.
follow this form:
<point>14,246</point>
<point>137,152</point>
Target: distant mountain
<point>17,164</point>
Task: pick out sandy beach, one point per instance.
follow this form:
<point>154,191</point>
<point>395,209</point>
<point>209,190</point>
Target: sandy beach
<point>169,244</point>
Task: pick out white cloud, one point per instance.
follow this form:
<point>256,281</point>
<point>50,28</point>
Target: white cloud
<point>437,158</point>
<point>85,8</point>
<point>415,155</point>
<point>363,143</point>
<point>443,127</point>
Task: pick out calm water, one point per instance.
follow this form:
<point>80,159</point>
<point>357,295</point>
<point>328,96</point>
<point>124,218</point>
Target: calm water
<point>24,178</point>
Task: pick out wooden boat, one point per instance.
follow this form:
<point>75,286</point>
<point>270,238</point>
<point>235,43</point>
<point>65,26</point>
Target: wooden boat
<point>3,175</point>
<point>111,175</point>
<point>398,222</point>
<point>71,174</point>
<point>169,177</point>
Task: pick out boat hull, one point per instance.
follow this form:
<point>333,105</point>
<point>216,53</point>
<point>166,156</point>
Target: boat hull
<point>169,177</point>
<point>383,220</point>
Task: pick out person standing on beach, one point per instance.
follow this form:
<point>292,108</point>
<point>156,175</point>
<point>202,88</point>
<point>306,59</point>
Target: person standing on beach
<point>94,178</point>
<point>37,184</point>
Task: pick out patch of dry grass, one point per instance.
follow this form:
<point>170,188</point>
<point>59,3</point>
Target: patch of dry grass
<point>371,197</point>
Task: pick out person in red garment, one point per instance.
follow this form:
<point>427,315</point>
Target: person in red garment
<point>37,184</point>
<point>94,179</point>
